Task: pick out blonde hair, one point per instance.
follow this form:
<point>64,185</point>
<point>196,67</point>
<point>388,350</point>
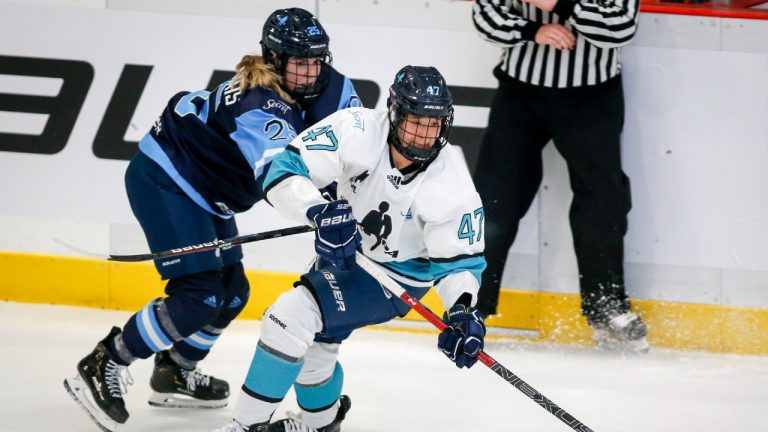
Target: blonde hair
<point>253,72</point>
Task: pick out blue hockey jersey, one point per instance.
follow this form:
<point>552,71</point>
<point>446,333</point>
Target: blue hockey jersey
<point>215,145</point>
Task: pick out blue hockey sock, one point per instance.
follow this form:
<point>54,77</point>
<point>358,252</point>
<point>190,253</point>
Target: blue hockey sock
<point>197,345</point>
<point>143,334</point>
<point>271,374</point>
<point>319,397</point>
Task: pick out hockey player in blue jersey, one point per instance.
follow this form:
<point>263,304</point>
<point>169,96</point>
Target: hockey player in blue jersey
<point>397,174</point>
<point>200,164</point>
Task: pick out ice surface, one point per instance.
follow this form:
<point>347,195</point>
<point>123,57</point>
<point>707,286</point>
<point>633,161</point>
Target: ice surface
<point>398,382</point>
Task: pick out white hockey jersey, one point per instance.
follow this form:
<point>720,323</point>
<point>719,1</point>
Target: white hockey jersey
<point>423,229</point>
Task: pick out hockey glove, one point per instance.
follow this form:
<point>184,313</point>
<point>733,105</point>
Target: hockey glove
<point>336,237</point>
<point>462,341</point>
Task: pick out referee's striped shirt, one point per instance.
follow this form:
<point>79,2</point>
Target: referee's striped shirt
<point>601,27</point>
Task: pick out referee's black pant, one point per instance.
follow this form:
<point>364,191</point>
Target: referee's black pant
<point>585,124</point>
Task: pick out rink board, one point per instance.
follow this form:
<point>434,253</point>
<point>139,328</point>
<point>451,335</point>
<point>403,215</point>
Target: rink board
<point>96,283</point>
<point>694,251</point>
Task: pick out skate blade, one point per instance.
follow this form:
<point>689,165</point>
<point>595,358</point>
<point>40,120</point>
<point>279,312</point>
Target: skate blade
<point>174,400</point>
<point>615,345</point>
<point>79,391</point>
<point>639,346</point>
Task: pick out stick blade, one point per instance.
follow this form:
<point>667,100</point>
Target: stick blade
<point>130,258</point>
<point>78,250</point>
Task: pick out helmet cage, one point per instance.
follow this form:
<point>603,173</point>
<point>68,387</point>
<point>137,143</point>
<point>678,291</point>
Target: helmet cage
<point>422,92</point>
<point>398,116</point>
<point>301,92</point>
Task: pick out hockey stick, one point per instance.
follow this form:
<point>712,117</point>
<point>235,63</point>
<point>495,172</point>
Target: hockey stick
<point>487,360</point>
<point>201,247</point>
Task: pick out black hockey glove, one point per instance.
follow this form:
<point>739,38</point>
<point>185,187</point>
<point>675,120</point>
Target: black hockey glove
<point>336,237</point>
<point>462,341</point>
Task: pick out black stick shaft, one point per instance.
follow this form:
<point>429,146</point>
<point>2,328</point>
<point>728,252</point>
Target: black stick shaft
<point>216,244</point>
<point>534,394</point>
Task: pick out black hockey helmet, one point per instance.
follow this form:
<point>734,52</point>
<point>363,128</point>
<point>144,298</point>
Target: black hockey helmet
<point>295,32</point>
<point>420,91</point>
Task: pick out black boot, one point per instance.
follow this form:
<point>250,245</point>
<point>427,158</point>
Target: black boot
<point>176,387</point>
<point>295,425</point>
<point>99,386</point>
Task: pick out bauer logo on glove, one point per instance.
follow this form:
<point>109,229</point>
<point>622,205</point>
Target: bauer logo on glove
<point>336,220</point>
<point>336,237</point>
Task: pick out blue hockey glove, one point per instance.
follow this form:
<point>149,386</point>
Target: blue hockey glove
<point>462,341</point>
<point>336,237</point>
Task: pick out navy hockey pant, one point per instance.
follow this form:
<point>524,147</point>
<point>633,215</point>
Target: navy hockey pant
<point>205,291</point>
<point>351,299</point>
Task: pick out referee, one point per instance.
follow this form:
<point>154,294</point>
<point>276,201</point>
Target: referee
<point>559,79</point>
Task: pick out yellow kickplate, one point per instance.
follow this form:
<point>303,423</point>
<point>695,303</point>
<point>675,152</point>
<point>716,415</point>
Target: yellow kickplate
<point>96,283</point>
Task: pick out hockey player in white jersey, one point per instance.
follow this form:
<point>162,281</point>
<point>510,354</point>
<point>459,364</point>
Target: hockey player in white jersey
<point>422,222</point>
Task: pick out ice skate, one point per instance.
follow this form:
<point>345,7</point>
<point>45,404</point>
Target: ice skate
<point>624,332</point>
<point>99,386</point>
<point>176,387</point>
<point>236,426</point>
<point>293,422</point>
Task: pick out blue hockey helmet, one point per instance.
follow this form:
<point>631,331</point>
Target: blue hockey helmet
<point>295,32</point>
<point>420,91</point>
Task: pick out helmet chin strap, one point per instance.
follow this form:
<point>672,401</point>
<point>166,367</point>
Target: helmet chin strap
<point>407,167</point>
